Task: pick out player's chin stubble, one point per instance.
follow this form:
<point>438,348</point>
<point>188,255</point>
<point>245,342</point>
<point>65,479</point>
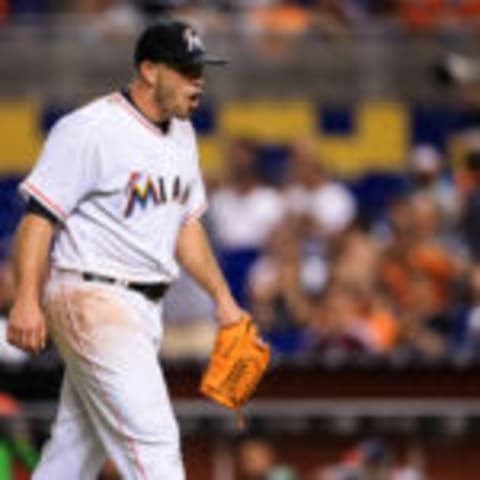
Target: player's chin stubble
<point>182,110</point>
<point>172,103</point>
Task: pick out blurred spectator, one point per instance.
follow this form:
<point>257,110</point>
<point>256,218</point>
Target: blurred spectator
<point>427,173</point>
<point>337,19</point>
<point>471,213</point>
<point>416,250</point>
<point>242,214</point>
<point>413,467</point>
<point>466,337</point>
<point>241,5</point>
<point>359,11</point>
<point>351,320</point>
<point>311,192</point>
<point>416,272</point>
<point>332,19</point>
<point>111,19</point>
<point>375,460</point>
<point>281,285</point>
<point>281,17</point>
<point>372,459</point>
<point>275,27</point>
<point>422,15</point>
<point>257,461</point>
<point>356,257</point>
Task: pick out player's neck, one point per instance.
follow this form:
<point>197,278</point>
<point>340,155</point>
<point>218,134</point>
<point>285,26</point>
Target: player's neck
<point>143,100</point>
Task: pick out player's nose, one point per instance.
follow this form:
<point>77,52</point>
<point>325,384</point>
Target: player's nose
<point>198,82</point>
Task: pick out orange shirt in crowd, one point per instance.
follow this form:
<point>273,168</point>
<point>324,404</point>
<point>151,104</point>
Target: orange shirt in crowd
<point>384,330</point>
<point>395,275</point>
<point>435,263</point>
<point>430,261</point>
<point>281,19</point>
<point>424,14</point>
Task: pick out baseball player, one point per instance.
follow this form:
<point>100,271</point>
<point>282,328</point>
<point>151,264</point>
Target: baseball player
<point>118,191</point>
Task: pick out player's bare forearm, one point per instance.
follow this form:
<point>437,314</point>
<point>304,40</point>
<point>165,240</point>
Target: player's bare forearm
<point>30,256</point>
<point>196,257</point>
<point>26,324</point>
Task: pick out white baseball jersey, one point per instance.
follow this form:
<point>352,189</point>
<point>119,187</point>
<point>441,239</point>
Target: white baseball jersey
<point>122,188</point>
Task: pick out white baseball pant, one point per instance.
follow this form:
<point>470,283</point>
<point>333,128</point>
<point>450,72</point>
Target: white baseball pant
<point>114,402</point>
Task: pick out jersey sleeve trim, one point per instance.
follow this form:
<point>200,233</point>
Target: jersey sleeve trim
<point>30,190</point>
<point>197,213</point>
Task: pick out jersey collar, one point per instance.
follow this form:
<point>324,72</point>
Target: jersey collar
<point>125,99</point>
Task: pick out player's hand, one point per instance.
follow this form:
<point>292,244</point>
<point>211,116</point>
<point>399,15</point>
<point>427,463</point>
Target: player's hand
<point>228,312</point>
<point>26,327</point>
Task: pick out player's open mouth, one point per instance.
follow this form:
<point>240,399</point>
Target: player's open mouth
<point>195,99</point>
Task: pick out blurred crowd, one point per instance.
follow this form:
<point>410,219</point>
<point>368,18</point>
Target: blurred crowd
<point>329,18</point>
<point>328,268</point>
<point>369,459</point>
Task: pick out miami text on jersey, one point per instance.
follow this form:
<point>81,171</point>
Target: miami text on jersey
<point>143,189</point>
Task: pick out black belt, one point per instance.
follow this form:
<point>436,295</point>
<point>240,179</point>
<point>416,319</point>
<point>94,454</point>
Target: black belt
<point>153,291</point>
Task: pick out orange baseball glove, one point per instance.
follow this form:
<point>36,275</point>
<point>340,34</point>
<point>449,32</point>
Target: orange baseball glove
<point>237,364</point>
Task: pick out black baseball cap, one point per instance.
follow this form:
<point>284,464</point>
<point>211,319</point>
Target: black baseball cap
<point>174,43</point>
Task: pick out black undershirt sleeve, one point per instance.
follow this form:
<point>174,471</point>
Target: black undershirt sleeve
<point>35,207</point>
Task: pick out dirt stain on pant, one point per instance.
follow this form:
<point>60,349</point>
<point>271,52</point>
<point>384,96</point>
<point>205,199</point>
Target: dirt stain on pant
<point>89,322</point>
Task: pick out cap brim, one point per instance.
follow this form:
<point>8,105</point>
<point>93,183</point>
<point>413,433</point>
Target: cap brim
<point>200,61</point>
<point>208,59</point>
<point>214,60</point>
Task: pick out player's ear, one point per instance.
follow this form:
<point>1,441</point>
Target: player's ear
<point>148,72</point>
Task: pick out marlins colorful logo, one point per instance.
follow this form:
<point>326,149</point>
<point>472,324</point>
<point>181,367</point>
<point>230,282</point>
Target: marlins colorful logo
<point>144,190</point>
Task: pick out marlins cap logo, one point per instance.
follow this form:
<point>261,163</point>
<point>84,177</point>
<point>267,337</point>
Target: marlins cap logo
<point>194,42</point>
